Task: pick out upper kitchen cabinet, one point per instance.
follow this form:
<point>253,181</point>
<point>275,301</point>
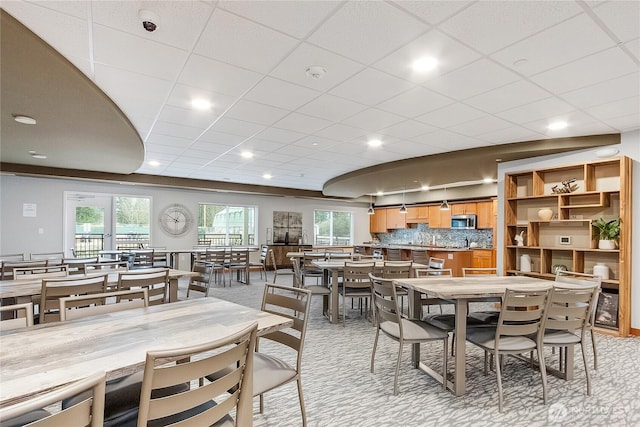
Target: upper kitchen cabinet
<point>378,221</point>
<point>469,208</point>
<point>439,218</point>
<point>417,214</point>
<point>486,214</point>
<point>395,219</point>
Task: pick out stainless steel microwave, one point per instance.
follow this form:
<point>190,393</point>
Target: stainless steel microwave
<point>463,222</point>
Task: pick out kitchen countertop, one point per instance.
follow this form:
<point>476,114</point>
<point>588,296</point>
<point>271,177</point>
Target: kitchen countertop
<point>412,246</point>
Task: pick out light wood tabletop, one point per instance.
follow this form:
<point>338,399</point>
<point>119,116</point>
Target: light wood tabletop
<point>462,290</point>
<point>25,289</point>
<point>43,357</point>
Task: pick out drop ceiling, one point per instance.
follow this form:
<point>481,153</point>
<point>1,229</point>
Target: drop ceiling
<point>506,71</point>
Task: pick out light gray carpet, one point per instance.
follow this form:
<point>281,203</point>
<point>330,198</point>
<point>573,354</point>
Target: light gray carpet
<point>339,389</point>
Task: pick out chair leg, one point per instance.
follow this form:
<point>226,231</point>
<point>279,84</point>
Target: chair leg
<point>586,368</point>
<point>444,363</point>
<point>262,404</point>
<point>302,408</point>
<point>499,378</point>
<point>595,352</point>
<point>543,373</point>
<point>373,352</point>
<point>395,381</point>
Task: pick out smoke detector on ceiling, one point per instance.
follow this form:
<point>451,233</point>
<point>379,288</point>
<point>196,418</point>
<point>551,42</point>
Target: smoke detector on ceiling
<point>316,72</point>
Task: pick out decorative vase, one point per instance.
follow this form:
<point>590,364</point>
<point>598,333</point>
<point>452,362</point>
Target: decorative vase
<point>525,263</point>
<point>545,214</point>
<point>607,244</point>
<point>601,270</point>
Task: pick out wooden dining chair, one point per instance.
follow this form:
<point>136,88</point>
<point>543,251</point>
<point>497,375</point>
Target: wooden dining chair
<point>77,265</point>
<point>7,267</point>
<point>55,288</point>
<point>202,281</point>
<point>420,256</point>
<point>356,284</point>
<point>216,257</point>
<point>33,273</point>
<point>21,316</point>
<point>318,289</point>
<point>238,262</point>
<point>156,281</point>
<point>389,321</point>
<point>87,412</point>
<point>142,259</point>
<point>79,306</point>
<point>196,406</point>
<point>394,254</point>
<point>262,263</point>
<point>484,316</point>
<point>520,329</point>
<point>52,258</point>
<point>271,258</point>
<point>106,267</point>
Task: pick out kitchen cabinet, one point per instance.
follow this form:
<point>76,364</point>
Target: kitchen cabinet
<point>455,260</point>
<point>378,221</point>
<point>486,216</point>
<point>439,218</point>
<point>463,208</point>
<point>417,214</point>
<point>395,219</point>
<point>280,254</point>
<point>484,258</point>
<point>601,189</point>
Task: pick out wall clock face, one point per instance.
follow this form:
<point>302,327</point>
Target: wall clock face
<point>175,220</point>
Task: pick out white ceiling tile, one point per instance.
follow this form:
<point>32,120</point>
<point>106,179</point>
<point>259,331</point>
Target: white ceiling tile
<point>163,139</point>
<point>236,127</point>
<point>182,96</point>
<point>512,95</point>
<point>223,138</point>
<point>414,102</point>
<point>449,53</point>
<point>210,148</point>
<point>566,42</point>
<point>174,129</point>
<point>611,110</point>
<point>296,150</point>
<point>444,141</point>
<point>164,149</point>
<point>358,88</point>
<point>536,110</point>
<point>316,142</point>
<point>573,118</point>
<point>232,39</point>
<point>367,30</point>
<point>179,22</point>
<point>407,129</point>
<point>216,76</point>
<point>587,71</point>
<point>280,135</point>
<point>302,123</point>
<point>621,17</point>
<point>482,125</point>
<point>256,113</point>
<point>605,92</point>
<point>281,94</point>
<point>451,115</point>
<point>491,25</point>
<point>129,52</point>
<point>186,116</point>
<point>473,79</point>
<point>624,123</point>
<point>634,47</point>
<point>432,12</point>
<point>191,158</point>
<point>373,119</point>
<point>262,145</point>
<point>341,132</point>
<point>509,135</point>
<point>293,67</point>
<point>296,18</point>
<point>332,108</point>
<point>409,148</point>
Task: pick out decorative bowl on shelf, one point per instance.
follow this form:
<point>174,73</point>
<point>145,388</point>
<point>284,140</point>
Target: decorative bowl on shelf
<point>558,267</point>
<point>545,214</point>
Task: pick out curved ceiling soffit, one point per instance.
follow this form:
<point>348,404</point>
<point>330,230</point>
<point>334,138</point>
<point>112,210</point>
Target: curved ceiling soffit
<point>78,126</point>
<point>472,165</point>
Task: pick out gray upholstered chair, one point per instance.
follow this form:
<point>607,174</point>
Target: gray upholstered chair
<point>388,319</point>
<point>520,329</point>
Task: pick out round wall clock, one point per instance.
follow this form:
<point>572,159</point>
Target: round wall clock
<point>175,220</point>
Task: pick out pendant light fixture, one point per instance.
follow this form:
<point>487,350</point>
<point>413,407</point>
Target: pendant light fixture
<point>444,206</point>
<point>403,208</point>
<point>370,211</point>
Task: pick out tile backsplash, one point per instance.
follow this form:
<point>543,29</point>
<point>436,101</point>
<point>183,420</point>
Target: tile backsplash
<point>423,235</point>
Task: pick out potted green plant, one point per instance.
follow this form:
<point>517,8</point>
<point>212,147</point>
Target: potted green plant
<point>609,232</point>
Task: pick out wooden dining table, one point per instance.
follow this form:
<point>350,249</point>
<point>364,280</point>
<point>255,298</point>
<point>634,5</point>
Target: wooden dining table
<point>23,290</point>
<point>332,270</point>
<point>43,357</point>
<point>462,290</point>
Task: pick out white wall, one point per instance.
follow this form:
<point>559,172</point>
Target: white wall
<point>19,234</point>
<point>630,147</point>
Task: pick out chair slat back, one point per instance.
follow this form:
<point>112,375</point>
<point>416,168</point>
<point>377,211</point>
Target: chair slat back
<point>7,267</point>
<point>142,259</point>
<point>54,289</point>
<point>394,254</point>
<point>211,359</point>
<point>385,301</point>
<point>436,262</point>
<point>32,273</point>
<point>156,281</point>
<point>216,257</point>
<point>570,308</point>
<point>522,312</point>
<point>397,269</point>
<point>433,272</point>
<point>22,316</point>
<point>110,266</point>
<point>81,306</point>
<point>420,256</point>
<point>485,271</point>
<point>585,280</point>
<point>77,265</point>
<point>356,274</point>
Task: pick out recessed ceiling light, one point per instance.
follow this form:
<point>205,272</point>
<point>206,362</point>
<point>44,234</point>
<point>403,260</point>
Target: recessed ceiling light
<point>201,104</point>
<point>26,120</point>
<point>267,176</point>
<point>425,188</point>
<point>314,144</point>
<point>247,154</point>
<point>559,125</point>
<point>488,180</point>
<point>374,143</point>
<point>424,64</point>
<point>153,163</point>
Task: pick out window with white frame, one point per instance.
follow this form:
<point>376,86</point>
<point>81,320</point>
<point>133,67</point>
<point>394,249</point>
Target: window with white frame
<point>225,225</point>
<point>332,228</point>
